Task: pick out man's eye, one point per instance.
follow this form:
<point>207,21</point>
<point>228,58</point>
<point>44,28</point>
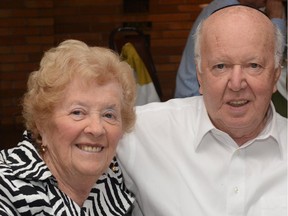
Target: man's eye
<point>254,65</point>
<point>253,68</point>
<point>220,66</point>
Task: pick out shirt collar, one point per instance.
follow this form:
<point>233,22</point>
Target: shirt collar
<point>26,163</point>
<point>271,129</point>
<point>204,124</point>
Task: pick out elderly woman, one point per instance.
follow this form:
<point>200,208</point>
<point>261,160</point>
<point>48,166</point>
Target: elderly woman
<point>77,107</point>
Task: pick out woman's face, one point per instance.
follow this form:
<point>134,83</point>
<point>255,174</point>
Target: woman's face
<point>83,132</point>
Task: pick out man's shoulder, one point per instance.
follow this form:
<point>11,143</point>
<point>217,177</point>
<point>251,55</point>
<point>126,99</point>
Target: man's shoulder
<point>281,121</point>
<point>172,105</point>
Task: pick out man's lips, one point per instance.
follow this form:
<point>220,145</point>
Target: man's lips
<point>238,103</point>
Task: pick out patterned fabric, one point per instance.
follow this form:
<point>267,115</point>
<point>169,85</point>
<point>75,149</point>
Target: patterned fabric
<point>27,187</point>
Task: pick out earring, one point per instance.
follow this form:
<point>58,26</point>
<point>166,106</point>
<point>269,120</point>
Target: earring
<point>43,148</point>
<point>114,168</point>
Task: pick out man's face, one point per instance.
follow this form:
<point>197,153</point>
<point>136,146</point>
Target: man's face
<point>238,74</point>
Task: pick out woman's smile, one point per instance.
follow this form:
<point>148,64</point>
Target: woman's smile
<point>90,148</point>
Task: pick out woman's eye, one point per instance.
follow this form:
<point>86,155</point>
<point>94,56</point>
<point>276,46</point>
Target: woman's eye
<point>77,114</point>
<point>111,117</point>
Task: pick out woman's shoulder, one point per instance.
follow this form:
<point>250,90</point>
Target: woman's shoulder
<point>23,162</point>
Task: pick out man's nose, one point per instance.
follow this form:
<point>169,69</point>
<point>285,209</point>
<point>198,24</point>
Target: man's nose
<point>237,78</point>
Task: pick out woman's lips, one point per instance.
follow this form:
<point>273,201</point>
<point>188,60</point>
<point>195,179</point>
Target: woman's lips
<point>90,148</point>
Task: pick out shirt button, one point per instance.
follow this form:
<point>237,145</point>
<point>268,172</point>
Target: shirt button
<point>239,152</point>
<point>236,190</point>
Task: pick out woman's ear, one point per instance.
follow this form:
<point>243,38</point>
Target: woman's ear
<point>39,128</point>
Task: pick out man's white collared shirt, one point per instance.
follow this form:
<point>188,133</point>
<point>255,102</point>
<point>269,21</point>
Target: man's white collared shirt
<point>178,164</point>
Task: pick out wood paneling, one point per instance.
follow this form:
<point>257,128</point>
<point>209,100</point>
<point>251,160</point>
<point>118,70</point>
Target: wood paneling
<point>29,27</point>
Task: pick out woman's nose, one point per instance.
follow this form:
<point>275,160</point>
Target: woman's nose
<point>94,126</point>
<point>237,78</point>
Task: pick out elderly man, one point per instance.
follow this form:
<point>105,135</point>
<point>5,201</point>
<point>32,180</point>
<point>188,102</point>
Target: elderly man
<point>223,153</point>
<point>186,80</point>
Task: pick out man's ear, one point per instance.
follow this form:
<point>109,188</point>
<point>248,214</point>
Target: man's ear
<point>278,72</point>
<point>199,78</point>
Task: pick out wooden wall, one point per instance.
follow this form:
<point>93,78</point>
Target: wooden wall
<point>29,27</point>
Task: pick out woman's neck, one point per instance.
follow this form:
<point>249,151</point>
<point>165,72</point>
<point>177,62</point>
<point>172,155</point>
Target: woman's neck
<point>74,186</point>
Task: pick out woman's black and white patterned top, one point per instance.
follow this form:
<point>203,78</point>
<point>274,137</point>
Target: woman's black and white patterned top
<point>27,187</point>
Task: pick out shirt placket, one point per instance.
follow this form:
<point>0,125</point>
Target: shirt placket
<point>236,187</point>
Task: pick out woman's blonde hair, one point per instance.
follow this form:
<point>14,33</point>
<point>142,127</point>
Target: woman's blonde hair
<point>60,65</point>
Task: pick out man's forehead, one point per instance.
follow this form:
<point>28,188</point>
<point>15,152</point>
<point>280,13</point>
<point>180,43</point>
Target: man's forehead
<point>238,16</point>
<point>239,11</point>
